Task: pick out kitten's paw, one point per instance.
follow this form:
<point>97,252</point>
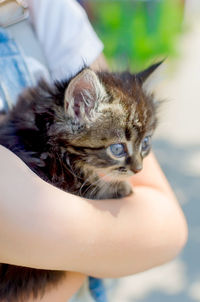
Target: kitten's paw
<point>123,190</point>
<point>110,191</point>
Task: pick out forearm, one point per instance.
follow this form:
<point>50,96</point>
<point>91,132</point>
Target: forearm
<point>100,63</point>
<point>44,227</point>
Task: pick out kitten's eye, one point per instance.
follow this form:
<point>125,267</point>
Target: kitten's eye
<point>146,143</point>
<point>117,150</point>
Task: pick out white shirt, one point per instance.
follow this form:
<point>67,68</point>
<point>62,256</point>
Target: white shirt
<point>65,34</point>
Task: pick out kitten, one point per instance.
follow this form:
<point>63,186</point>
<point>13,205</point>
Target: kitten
<point>85,135</point>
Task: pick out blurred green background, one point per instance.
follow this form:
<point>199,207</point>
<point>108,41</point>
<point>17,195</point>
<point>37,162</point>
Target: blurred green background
<point>136,32</point>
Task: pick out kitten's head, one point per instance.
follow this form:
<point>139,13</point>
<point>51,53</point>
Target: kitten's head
<point>110,121</point>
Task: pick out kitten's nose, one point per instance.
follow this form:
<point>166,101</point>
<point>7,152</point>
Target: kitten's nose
<point>137,169</point>
<point>136,165</point>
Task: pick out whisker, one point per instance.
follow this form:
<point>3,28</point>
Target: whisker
<point>100,182</point>
<point>72,169</point>
<point>115,188</point>
<point>92,184</point>
<point>87,180</point>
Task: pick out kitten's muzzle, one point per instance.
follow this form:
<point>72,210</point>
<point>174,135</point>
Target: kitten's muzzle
<point>134,169</point>
<point>122,169</point>
<point>137,169</point>
<point>135,164</point>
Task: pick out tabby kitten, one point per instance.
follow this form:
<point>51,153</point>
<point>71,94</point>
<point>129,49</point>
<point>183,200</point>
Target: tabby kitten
<point>85,135</point>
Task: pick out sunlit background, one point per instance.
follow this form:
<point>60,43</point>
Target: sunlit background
<point>133,31</point>
<point>135,34</point>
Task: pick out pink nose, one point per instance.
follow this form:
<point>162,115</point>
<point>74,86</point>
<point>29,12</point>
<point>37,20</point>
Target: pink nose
<point>137,169</point>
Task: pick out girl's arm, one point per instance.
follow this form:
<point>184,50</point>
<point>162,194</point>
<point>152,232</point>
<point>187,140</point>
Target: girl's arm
<point>44,227</point>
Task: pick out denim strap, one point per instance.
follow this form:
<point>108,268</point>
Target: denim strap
<point>14,75</point>
<point>97,289</point>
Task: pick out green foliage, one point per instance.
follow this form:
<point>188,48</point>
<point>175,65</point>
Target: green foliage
<point>136,32</point>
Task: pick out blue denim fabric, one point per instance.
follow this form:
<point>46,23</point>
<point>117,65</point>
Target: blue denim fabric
<point>97,289</point>
<point>14,75</point>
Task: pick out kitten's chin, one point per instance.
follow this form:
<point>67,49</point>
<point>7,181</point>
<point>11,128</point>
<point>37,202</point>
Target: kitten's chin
<point>115,176</point>
<point>121,176</point>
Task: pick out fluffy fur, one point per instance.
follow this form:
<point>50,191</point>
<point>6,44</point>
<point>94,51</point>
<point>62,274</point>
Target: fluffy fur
<point>70,134</point>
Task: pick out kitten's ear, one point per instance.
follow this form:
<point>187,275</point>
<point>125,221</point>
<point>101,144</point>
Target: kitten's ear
<point>143,75</point>
<point>83,95</point>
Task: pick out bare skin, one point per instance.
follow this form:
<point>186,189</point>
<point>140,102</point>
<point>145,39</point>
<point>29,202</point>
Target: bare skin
<point>100,63</point>
<point>149,222</point>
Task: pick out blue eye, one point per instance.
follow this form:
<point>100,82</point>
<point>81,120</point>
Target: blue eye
<point>117,150</point>
<point>146,143</point>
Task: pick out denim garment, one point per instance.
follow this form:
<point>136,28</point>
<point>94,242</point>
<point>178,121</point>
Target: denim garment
<point>97,289</point>
<point>93,290</point>
<point>14,77</point>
